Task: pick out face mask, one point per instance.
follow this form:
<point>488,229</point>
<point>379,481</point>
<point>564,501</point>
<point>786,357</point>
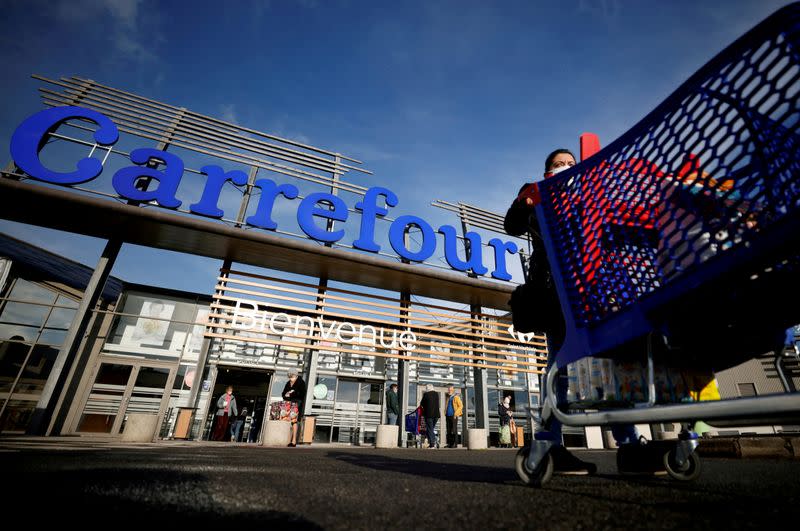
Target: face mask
<point>555,171</point>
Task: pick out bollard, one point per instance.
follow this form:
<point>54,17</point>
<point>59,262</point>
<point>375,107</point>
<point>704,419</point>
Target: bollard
<point>387,436</point>
<point>277,433</point>
<point>477,439</point>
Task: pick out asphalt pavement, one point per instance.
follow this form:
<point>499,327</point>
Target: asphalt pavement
<point>218,484</point>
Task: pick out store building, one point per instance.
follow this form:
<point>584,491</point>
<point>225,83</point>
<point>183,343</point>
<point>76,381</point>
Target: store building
<point>316,275</point>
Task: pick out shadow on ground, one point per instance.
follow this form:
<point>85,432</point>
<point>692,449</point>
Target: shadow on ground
<point>430,469</point>
<point>126,497</point>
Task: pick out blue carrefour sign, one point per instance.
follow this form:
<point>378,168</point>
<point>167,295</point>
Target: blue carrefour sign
<point>31,135</point>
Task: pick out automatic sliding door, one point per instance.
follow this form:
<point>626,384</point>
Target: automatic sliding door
<point>101,412</point>
<point>148,392</point>
<point>120,389</point>
<point>369,410</point>
<point>345,409</point>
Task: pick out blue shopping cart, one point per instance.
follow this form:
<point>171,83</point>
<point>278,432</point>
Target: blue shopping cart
<point>681,240</point>
<point>415,426</point>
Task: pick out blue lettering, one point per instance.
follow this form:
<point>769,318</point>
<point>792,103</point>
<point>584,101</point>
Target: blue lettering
<point>398,229</point>
<point>500,248</point>
<point>369,212</point>
<point>31,136</point>
<point>307,210</point>
<point>474,254</point>
<point>207,206</point>
<point>124,181</point>
<point>269,192</point>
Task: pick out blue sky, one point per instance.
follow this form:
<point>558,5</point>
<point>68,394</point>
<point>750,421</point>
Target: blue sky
<point>453,100</point>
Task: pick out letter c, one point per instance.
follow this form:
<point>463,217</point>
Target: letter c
<point>32,134</point>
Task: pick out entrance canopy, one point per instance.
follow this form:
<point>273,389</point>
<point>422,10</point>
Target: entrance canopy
<point>64,210</point>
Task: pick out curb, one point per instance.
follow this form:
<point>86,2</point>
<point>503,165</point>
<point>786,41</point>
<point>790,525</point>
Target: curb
<point>744,447</point>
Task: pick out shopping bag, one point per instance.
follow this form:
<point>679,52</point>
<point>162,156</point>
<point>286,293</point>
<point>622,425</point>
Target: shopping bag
<point>505,434</point>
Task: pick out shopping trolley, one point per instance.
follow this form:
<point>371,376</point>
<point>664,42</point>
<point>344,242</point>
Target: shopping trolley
<point>680,243</point>
<point>415,426</point>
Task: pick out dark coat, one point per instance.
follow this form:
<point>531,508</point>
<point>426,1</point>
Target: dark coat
<point>299,391</point>
<point>520,219</point>
<point>430,405</point>
<point>502,412</point>
<point>392,402</point>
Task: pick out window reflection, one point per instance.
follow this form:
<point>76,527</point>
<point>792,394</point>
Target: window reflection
<point>28,291</point>
<point>371,393</point>
<point>12,356</point>
<point>53,337</point>
<point>17,415</point>
<point>412,395</point>
<point>155,377</point>
<point>22,313</point>
<point>37,370</point>
<point>28,348</point>
<point>28,333</point>
<point>60,318</point>
<point>66,301</point>
<point>348,391</point>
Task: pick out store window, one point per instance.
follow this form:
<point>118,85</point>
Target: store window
<point>324,396</point>
<point>34,320</point>
<point>155,326</point>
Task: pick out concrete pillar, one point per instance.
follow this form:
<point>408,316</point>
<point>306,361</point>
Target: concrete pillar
<point>481,378</point>
<point>402,395</point>
<point>402,370</point>
<point>481,390</point>
<point>477,438</point>
<point>387,436</point>
<point>276,433</point>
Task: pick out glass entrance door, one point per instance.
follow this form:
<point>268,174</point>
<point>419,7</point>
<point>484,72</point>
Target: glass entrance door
<point>370,397</point>
<point>357,411</point>
<point>121,388</point>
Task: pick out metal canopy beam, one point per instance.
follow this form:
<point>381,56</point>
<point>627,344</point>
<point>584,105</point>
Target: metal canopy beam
<point>66,210</point>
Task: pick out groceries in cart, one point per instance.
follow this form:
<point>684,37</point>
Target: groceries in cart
<point>604,382</point>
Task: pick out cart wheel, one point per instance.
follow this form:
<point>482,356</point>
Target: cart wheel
<point>688,472</point>
<point>538,476</point>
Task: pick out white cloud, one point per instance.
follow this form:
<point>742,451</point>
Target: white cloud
<point>228,113</point>
<point>608,11</point>
<point>124,11</point>
<point>121,18</point>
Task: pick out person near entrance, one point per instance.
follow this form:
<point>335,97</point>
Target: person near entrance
<point>255,424</point>
<point>452,413</point>
<point>392,405</point>
<point>430,409</point>
<point>236,427</point>
<point>506,421</point>
<point>295,391</point>
<point>226,408</point>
